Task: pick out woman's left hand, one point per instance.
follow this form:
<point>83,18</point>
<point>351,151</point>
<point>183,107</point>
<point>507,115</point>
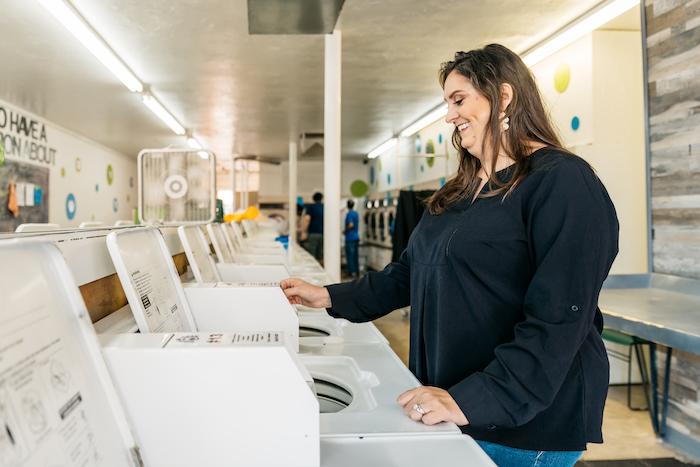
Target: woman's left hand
<point>436,404</point>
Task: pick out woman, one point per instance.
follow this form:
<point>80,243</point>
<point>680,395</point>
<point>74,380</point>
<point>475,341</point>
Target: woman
<point>503,274</point>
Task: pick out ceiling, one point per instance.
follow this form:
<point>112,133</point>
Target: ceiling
<point>250,94</point>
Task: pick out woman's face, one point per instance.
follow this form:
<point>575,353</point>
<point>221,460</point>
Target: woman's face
<point>468,110</point>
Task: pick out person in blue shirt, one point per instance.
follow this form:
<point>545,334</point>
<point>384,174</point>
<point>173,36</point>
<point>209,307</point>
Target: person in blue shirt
<point>314,242</point>
<point>352,240</point>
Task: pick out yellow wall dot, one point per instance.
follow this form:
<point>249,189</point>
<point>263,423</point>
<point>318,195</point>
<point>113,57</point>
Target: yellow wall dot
<point>562,77</point>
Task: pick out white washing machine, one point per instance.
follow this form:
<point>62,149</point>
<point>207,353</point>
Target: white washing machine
<point>167,399</point>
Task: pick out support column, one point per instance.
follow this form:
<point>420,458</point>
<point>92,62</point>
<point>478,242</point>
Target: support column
<point>233,183</point>
<point>331,155</point>
<point>292,199</point>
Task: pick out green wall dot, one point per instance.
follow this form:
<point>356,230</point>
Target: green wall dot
<point>359,188</point>
<point>2,154</point>
<point>430,161</point>
<point>110,174</point>
<point>78,164</point>
<point>63,171</point>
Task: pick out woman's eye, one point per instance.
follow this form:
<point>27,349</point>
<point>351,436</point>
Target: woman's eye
<point>458,102</point>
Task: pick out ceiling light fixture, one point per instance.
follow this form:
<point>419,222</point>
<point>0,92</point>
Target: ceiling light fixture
<point>76,24</point>
<point>382,148</point>
<point>161,112</point>
<point>577,30</point>
<point>431,117</point>
<point>193,143</point>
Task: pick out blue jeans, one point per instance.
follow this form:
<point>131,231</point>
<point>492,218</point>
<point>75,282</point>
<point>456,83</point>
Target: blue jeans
<point>352,256</point>
<point>505,456</point>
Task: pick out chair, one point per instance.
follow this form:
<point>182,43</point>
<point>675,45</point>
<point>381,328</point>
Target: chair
<point>636,343</point>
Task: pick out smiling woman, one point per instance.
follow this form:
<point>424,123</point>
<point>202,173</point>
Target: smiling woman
<point>502,275</point>
<point>489,92</point>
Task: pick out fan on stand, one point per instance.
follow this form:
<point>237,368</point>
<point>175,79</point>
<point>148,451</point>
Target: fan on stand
<point>176,186</point>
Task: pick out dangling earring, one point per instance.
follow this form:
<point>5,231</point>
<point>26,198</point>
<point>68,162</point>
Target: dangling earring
<point>505,121</point>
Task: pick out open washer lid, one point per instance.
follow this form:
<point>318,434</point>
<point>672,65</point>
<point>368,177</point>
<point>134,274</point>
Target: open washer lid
<point>57,402</point>
<point>150,280</point>
<point>198,254</point>
<point>216,234</point>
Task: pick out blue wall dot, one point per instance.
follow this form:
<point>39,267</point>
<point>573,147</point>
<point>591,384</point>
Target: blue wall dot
<point>575,123</point>
<point>388,179</point>
<point>97,187</point>
<point>115,205</point>
<point>371,175</point>
<point>442,182</point>
<point>71,206</point>
<point>439,138</point>
<point>422,169</point>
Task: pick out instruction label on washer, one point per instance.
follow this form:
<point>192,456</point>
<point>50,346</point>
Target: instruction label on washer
<point>44,414</point>
<point>225,339</point>
<point>158,299</point>
<point>248,284</point>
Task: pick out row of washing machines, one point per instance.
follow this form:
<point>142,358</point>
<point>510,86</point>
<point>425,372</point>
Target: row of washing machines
<point>378,220</point>
<point>213,367</point>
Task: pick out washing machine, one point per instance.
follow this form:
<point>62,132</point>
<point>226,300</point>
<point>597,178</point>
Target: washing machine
<point>192,412</point>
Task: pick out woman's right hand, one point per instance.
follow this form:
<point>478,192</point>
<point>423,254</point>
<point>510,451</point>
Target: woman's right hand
<point>299,292</point>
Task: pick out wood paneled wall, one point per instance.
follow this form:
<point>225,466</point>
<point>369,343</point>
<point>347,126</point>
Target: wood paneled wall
<point>673,52</point>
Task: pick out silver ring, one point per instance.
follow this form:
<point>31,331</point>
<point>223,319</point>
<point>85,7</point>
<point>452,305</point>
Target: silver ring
<point>418,409</point>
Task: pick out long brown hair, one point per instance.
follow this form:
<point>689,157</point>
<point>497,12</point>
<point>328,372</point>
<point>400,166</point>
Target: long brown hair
<point>487,69</point>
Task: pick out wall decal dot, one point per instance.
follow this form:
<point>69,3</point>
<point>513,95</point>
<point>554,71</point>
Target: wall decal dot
<point>131,182</point>
<point>359,188</point>
<point>440,138</point>
<point>430,161</point>
<point>71,206</point>
<point>115,205</point>
<point>422,169</point>
<point>371,175</point>
<point>379,165</point>
<point>430,147</point>
<point>97,187</point>
<point>562,76</point>
<point>419,144</point>
<point>575,123</point>
<point>78,164</point>
<point>63,171</point>
<point>2,154</point>
<point>110,174</point>
<point>442,182</point>
<point>388,179</point>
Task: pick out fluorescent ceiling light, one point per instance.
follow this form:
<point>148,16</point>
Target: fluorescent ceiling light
<point>193,143</point>
<point>160,111</point>
<point>75,23</point>
<point>385,146</point>
<point>424,121</point>
<point>578,29</point>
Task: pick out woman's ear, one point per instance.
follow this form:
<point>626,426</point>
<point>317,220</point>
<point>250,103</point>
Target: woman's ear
<point>506,96</point>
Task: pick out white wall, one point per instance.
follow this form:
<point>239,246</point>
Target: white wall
<point>605,94</point>
<point>274,181</point>
<point>77,166</point>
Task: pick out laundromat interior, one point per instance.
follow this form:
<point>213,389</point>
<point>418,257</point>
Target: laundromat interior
<point>160,169</point>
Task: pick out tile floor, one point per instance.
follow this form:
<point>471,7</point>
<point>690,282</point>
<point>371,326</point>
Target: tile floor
<point>629,439</point>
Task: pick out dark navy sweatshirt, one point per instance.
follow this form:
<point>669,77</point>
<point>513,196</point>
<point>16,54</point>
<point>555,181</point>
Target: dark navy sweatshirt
<point>504,305</point>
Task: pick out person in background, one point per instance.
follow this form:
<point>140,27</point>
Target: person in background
<point>503,274</point>
<point>302,224</point>
<point>314,244</point>
<point>352,240</point>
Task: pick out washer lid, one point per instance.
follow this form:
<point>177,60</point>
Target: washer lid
<point>150,280</point>
<point>198,254</point>
<point>57,402</point>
